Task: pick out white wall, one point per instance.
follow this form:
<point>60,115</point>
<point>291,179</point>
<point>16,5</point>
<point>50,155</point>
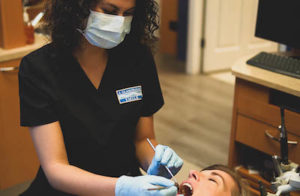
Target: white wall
<point>195,25</point>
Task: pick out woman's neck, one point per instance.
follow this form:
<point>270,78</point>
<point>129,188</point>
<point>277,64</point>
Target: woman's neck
<point>89,55</point>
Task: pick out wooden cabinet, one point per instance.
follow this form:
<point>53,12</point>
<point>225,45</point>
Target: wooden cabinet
<point>253,115</point>
<point>258,139</point>
<point>18,160</point>
<point>12,32</point>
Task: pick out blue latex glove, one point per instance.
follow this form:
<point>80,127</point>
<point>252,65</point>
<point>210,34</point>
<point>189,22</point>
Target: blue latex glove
<point>164,156</point>
<point>137,186</point>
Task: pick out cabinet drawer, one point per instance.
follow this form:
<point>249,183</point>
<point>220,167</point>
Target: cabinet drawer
<point>253,101</point>
<point>252,133</point>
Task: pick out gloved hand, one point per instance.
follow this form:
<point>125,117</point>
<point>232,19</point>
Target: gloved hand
<point>164,156</point>
<point>137,186</point>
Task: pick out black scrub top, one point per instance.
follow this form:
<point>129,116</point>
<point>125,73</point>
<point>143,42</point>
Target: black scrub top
<point>98,131</point>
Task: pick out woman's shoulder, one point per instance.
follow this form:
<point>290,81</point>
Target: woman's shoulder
<point>38,61</point>
<point>42,52</point>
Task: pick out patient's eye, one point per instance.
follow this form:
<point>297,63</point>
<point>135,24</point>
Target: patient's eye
<point>213,180</point>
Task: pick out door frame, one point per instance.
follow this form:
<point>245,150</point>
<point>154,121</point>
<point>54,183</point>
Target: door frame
<point>196,14</point>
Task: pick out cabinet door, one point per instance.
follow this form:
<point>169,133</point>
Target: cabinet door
<point>19,162</point>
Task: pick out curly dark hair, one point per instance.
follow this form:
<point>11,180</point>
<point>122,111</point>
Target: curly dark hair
<point>63,17</point>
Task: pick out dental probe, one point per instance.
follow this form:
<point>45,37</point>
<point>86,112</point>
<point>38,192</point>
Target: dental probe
<point>164,165</point>
<point>157,188</point>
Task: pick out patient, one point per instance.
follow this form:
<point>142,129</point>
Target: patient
<point>215,180</point>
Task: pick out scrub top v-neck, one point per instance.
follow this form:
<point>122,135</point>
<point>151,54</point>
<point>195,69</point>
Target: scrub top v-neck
<point>87,79</point>
<point>97,127</point>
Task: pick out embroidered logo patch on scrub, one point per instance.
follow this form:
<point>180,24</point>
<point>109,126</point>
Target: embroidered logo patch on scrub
<point>131,94</point>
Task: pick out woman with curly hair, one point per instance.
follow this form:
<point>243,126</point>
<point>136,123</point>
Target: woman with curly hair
<point>89,97</point>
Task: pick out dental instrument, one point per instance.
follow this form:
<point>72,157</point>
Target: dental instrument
<point>157,188</point>
<point>176,183</point>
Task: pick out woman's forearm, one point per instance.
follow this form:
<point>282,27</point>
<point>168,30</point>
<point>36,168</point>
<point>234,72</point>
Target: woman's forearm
<point>144,130</point>
<point>144,152</point>
<point>71,179</point>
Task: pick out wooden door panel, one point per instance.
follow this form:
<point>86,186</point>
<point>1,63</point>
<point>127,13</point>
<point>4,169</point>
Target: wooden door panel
<point>229,33</point>
<point>168,37</point>
<point>222,33</point>
<point>227,22</point>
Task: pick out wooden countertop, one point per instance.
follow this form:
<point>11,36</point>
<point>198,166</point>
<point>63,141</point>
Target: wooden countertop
<point>16,53</point>
<point>266,78</point>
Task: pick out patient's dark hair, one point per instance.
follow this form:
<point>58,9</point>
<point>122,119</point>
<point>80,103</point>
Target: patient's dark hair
<point>241,184</point>
<point>64,17</point>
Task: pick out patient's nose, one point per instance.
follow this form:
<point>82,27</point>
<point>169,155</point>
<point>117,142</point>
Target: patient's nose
<point>194,174</point>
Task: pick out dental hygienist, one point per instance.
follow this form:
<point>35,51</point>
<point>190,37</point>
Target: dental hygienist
<point>89,97</point>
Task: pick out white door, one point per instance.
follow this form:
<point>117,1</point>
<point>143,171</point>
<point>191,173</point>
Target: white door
<point>229,33</point>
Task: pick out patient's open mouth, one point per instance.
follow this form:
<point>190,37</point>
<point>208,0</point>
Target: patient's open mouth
<point>186,189</point>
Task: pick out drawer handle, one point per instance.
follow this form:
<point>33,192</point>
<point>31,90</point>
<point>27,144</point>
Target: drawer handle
<point>278,140</point>
<point>8,69</point>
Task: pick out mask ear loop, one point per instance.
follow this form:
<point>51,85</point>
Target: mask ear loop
<point>80,31</point>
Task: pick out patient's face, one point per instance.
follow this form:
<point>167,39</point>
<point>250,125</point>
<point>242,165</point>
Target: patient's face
<point>208,183</point>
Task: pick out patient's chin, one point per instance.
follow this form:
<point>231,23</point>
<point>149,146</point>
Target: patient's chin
<point>186,189</point>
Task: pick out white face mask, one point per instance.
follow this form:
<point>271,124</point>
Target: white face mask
<point>106,31</point>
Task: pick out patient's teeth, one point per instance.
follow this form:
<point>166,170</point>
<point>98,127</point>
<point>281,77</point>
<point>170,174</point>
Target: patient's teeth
<point>188,185</point>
